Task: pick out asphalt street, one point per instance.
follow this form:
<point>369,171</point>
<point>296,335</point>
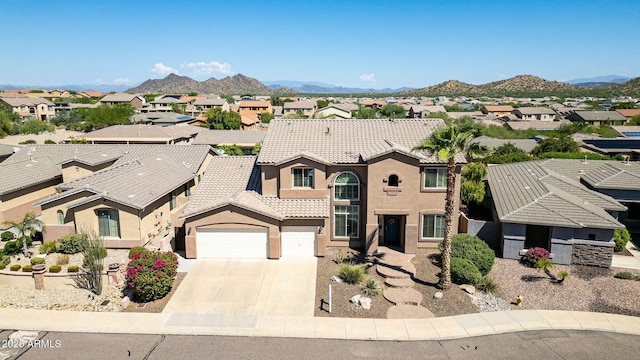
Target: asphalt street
<point>546,344</point>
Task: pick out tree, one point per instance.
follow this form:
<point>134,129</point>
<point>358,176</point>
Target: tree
<point>561,144</point>
<point>506,154</point>
<point>27,226</point>
<point>66,118</point>
<point>192,93</point>
<point>635,120</point>
<point>222,120</point>
<point>103,116</point>
<point>473,187</point>
<point>366,113</point>
<point>446,142</point>
<point>232,150</point>
<point>393,111</point>
<point>5,125</point>
<point>35,127</point>
<point>229,98</point>
<point>266,117</point>
<point>322,103</point>
<point>275,100</point>
<point>256,150</point>
<point>179,108</point>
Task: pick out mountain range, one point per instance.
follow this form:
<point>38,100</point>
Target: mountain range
<point>599,81</point>
<point>310,87</point>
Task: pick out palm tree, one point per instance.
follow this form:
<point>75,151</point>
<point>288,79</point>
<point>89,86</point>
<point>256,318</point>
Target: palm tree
<point>446,142</point>
<point>27,226</point>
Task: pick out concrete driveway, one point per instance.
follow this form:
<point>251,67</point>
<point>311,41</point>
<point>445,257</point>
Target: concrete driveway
<point>247,287</point>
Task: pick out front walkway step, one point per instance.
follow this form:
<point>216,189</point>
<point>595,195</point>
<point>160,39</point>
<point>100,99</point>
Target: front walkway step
<point>399,283</point>
<point>409,312</point>
<point>388,272</point>
<point>403,296</point>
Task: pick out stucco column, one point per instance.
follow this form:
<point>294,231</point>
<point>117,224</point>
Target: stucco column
<point>38,276</point>
<point>371,241</point>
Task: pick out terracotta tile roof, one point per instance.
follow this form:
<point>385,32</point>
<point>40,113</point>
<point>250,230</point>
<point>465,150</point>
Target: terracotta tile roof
<point>345,141</point>
<point>500,108</point>
<point>249,119</point>
<point>254,103</point>
<point>628,112</point>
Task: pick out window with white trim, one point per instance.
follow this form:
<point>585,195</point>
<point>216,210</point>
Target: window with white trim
<point>432,226</point>
<point>435,178</point>
<point>346,187</point>
<point>302,178</point>
<point>346,220</point>
<point>109,223</point>
<point>60,217</point>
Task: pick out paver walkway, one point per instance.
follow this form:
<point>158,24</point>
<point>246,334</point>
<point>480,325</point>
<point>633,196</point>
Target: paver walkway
<point>398,272</point>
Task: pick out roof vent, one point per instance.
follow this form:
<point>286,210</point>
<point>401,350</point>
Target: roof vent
<point>585,160</point>
<point>327,130</point>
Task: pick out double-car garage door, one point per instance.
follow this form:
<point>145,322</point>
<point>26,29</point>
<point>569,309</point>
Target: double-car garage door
<point>297,241</point>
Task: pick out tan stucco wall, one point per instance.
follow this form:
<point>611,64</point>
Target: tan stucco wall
<point>15,205</point>
<point>75,170</point>
<point>287,191</point>
<point>232,217</point>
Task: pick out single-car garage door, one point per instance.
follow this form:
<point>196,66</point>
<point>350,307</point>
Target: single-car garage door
<point>298,241</point>
<point>232,244</point>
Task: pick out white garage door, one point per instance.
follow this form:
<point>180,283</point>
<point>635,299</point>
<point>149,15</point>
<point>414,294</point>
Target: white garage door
<point>232,244</point>
<point>298,241</point>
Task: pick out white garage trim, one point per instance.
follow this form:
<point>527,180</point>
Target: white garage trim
<point>231,244</point>
<point>298,241</point>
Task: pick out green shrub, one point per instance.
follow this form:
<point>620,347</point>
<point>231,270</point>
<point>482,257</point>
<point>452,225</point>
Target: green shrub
<point>55,268</point>
<point>71,244</point>
<point>464,271</point>
<point>150,275</point>
<point>621,238</point>
<point>49,141</point>
<point>340,257</point>
<point>487,284</point>
<point>37,260</point>
<point>6,259</point>
<point>73,269</point>
<point>12,247</point>
<point>351,274</point>
<point>472,248</point>
<point>15,267</point>
<point>2,266</point>
<point>27,268</point>
<point>62,259</point>
<point>85,264</point>
<point>102,252</point>
<point>626,275</point>
<point>7,235</point>
<point>372,287</point>
<point>137,250</point>
<point>48,247</point>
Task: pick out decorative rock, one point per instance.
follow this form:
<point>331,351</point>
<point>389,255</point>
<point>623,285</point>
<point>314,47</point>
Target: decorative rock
<point>336,279</point>
<point>437,295</point>
<point>469,289</point>
<point>124,302</point>
<point>365,302</point>
<point>356,299</point>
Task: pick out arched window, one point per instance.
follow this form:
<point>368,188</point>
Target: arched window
<point>346,187</point>
<point>60,217</point>
<point>393,180</point>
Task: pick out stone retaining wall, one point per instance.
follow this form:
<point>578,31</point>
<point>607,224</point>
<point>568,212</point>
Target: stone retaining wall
<point>590,253</point>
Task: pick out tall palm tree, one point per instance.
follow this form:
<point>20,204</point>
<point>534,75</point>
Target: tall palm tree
<point>27,226</point>
<point>446,142</point>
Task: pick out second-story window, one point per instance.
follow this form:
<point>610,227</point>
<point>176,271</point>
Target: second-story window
<point>346,187</point>
<point>303,178</point>
<point>435,178</point>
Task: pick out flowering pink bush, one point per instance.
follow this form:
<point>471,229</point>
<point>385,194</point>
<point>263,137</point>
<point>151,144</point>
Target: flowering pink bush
<point>536,253</point>
<point>150,275</point>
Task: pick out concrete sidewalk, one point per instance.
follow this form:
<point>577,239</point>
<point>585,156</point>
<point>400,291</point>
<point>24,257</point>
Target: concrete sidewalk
<point>316,327</point>
<point>628,262</point>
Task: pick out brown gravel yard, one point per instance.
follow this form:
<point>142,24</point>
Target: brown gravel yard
<point>588,289</point>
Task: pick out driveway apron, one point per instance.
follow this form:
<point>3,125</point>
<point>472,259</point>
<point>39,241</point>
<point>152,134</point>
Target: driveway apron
<point>247,287</point>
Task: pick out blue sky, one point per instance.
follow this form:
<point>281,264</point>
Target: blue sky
<point>356,43</point>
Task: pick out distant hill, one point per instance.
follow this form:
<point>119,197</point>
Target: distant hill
<point>607,79</point>
<point>104,88</point>
<point>518,86</point>
<point>320,88</point>
<point>230,85</point>
<point>629,88</point>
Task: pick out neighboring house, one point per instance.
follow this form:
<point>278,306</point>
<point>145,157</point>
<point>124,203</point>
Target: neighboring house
<point>628,113</point>
<point>63,94</point>
<point>165,104</point>
<point>201,106</point>
<point>497,110</point>
<point>6,151</point>
<point>627,131</point>
<point>534,113</point>
<point>306,108</point>
<point>29,107</point>
<point>246,140</point>
<point>143,134</point>
<point>333,111</point>
<point>254,107</point>
<point>323,183</point>
<point>374,103</point>
<point>89,94</point>
<point>249,121</point>
<point>490,143</point>
<point>136,101</point>
<point>597,117</point>
<point>628,147</point>
<point>278,112</point>
<point>421,111</point>
<point>128,194</point>
<point>162,118</point>
<point>537,206</point>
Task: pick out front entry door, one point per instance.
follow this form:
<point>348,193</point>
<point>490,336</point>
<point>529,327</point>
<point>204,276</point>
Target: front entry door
<point>392,230</point>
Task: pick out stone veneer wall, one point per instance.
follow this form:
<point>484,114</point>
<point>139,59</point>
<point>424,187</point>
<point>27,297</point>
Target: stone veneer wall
<point>591,253</point>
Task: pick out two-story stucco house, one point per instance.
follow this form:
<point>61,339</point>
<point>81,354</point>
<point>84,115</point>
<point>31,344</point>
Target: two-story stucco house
<point>322,183</point>
<point>29,107</point>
